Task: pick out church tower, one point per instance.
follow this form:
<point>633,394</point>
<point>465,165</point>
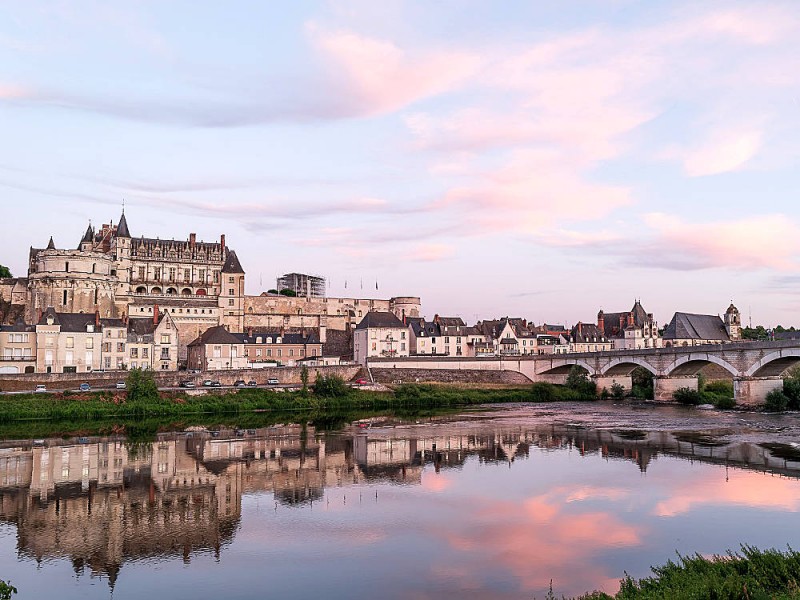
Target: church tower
<point>733,323</point>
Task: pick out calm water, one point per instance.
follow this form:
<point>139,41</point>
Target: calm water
<point>490,504</point>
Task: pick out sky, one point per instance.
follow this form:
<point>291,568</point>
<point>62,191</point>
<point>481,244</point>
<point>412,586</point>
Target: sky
<point>533,159</point>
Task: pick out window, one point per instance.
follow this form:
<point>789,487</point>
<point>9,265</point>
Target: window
<point>217,352</point>
<point>64,300</point>
<point>230,291</point>
<point>216,276</point>
<point>402,346</point>
<point>120,347</point>
<point>402,335</point>
<point>269,351</point>
<point>134,353</point>
<point>48,357</point>
<point>106,347</point>
<point>141,273</point>
<point>89,342</point>
<point>187,275</point>
<point>165,338</point>
<point>279,352</point>
<point>70,342</point>
<point>230,302</point>
<point>89,359</point>
<point>66,267</point>
<point>69,358</point>
<point>291,351</point>
<point>258,351</point>
<point>202,275</point>
<point>145,352</point>
<point>107,362</point>
<point>231,280</point>
<point>165,354</point>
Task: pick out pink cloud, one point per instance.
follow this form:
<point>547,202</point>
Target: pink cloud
<point>383,77</point>
<point>768,241</point>
<point>431,252</point>
<point>10,91</point>
<point>722,152</point>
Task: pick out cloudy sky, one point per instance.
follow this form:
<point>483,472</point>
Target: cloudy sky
<point>535,159</point>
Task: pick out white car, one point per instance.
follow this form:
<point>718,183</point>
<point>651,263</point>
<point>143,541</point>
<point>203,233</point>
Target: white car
<point>273,381</point>
<point>40,389</point>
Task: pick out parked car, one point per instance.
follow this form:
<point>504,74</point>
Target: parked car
<point>252,383</point>
<point>216,384</point>
<point>207,383</point>
<point>85,387</point>
<point>40,389</point>
<point>121,385</point>
<point>187,384</point>
<point>273,381</point>
<point>239,383</point>
<point>362,382</point>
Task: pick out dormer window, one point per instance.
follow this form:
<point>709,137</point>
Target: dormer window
<point>277,340</point>
<point>259,340</point>
<point>50,320</point>
<point>89,328</point>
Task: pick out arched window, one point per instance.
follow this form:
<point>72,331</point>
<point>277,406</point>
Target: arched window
<point>155,290</point>
<point>186,292</point>
<point>172,291</point>
<point>200,292</point>
<point>141,290</point>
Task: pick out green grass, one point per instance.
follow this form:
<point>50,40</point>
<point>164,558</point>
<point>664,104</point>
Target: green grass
<point>750,574</point>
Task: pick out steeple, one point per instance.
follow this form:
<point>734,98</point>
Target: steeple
<point>89,235</point>
<point>122,227</point>
<point>51,245</point>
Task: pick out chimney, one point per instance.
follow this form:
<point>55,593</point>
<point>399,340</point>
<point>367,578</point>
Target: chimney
<point>39,317</point>
<point>96,317</point>
<point>249,332</point>
<point>222,242</point>
<point>124,318</point>
<point>192,240</point>
<point>580,329</point>
<point>436,319</point>
<point>155,315</point>
<point>283,331</point>
<point>630,319</point>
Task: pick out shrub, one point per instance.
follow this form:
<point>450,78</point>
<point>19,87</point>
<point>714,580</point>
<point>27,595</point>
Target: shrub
<point>776,401</point>
<point>642,383</point>
<point>617,390</point>
<point>724,402</point>
<point>331,386</point>
<point>543,392</point>
<point>687,396</point>
<point>791,387</point>
<point>720,387</point>
<point>6,590</point>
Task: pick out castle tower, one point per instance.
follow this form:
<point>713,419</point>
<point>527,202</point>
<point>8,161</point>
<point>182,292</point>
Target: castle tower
<point>231,295</point>
<point>733,323</point>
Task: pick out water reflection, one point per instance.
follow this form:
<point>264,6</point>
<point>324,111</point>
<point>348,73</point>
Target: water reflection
<point>101,503</point>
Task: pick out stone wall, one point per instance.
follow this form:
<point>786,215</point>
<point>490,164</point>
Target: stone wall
<point>753,392</point>
<point>448,376</point>
<point>665,387</point>
<point>107,379</point>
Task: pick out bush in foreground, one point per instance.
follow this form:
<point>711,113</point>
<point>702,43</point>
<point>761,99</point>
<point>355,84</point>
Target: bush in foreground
<point>776,401</point>
<point>331,386</point>
<point>747,575</point>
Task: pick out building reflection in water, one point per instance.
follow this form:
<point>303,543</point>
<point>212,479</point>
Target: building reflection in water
<point>100,502</point>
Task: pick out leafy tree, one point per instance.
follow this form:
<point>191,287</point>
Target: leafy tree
<point>5,272</point>
<point>331,386</point>
<point>141,385</point>
<point>290,293</point>
<point>304,380</point>
<point>272,291</point>
<point>642,383</point>
<point>791,388</point>
<point>617,390</point>
<point>578,381</point>
<point>687,396</point>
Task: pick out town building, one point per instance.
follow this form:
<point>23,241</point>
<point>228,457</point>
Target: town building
<point>301,284</point>
<point>217,349</point>
<point>688,329</point>
<point>380,334</point>
<point>153,342</point>
<point>631,330</point>
<point>281,347</point>
<point>587,337</point>
<point>17,348</point>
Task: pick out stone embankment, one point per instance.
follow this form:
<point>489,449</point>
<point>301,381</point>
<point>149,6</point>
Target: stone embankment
<point>462,376</point>
<point>107,379</point>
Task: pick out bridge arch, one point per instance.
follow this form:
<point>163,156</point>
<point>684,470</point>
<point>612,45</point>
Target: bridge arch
<point>691,364</point>
<point>775,363</point>
<point>625,366</point>
<point>563,366</point>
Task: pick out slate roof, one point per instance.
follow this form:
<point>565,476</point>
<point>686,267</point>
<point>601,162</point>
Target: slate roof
<point>286,338</point>
<point>51,245</point>
<point>688,326</point>
<point>614,324</point>
<point>587,332</point>
<point>338,343</point>
<point>216,335</point>
<point>18,326</point>
<point>376,318</point>
<point>142,326</point>
<point>422,328</point>
<point>122,227</point>
<point>232,264</point>
<point>70,322</point>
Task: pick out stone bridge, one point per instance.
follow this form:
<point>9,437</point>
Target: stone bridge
<point>755,367</point>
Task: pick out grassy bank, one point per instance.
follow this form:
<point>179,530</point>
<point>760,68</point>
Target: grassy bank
<point>750,574</point>
<point>330,396</point>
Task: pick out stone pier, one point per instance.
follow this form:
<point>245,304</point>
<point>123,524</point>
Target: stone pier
<point>752,391</point>
<point>664,387</point>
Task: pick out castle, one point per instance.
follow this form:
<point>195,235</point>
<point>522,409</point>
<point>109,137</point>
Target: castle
<point>200,284</point>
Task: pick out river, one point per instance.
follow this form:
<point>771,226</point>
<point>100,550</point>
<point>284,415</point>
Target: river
<point>494,502</point>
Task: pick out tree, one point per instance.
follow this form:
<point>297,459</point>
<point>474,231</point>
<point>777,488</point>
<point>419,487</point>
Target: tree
<point>290,293</point>
<point>331,386</point>
<point>6,590</point>
<point>304,380</point>
<point>5,272</point>
<point>617,390</point>
<point>578,381</point>
<point>141,385</point>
